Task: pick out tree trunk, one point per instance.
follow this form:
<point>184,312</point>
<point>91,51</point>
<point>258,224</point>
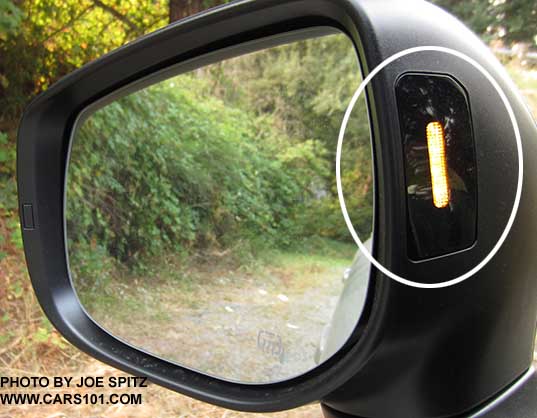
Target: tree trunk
<point>183,8</point>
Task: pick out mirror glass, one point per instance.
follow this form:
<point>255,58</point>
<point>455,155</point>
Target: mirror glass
<point>202,218</point>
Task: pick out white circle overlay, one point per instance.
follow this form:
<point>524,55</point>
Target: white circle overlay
<point>343,128</point>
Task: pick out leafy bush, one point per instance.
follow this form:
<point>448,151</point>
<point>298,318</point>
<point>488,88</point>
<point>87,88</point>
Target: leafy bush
<point>200,162</point>
<point>165,169</point>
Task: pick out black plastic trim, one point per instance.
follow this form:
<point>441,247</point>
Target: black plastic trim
<point>518,400</point>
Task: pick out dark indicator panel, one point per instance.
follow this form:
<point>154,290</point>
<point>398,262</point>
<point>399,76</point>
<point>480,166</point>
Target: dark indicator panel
<point>440,167</point>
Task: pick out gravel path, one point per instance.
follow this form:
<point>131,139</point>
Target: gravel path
<point>241,327</point>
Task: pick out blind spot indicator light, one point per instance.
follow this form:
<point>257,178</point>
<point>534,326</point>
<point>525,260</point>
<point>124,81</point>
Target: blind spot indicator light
<point>440,165</point>
<point>436,146</point>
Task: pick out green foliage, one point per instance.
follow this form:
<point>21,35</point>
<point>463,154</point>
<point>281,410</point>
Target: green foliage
<point>512,20</point>
<point>10,18</point>
<point>53,38</point>
<point>290,85</point>
<point>7,170</point>
<point>203,162</point>
<point>519,19</point>
<point>212,3</point>
<point>165,170</point>
<point>8,197</point>
<point>41,41</point>
<point>47,334</point>
<point>15,236</point>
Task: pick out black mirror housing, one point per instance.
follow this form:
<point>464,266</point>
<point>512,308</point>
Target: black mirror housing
<point>440,352</point>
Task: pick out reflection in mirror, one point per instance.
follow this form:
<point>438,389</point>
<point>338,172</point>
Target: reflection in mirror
<point>202,218</point>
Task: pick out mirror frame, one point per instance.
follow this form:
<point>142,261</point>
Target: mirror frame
<point>223,32</point>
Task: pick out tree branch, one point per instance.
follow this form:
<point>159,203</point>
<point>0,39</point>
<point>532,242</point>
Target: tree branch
<point>68,24</point>
<point>133,27</point>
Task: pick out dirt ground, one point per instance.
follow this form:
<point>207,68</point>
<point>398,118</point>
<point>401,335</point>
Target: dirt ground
<point>257,326</point>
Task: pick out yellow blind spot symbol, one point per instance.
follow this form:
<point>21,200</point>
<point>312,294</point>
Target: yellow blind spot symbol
<point>436,145</point>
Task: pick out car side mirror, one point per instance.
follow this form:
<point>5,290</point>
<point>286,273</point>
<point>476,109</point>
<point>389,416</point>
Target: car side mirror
<point>163,187</point>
